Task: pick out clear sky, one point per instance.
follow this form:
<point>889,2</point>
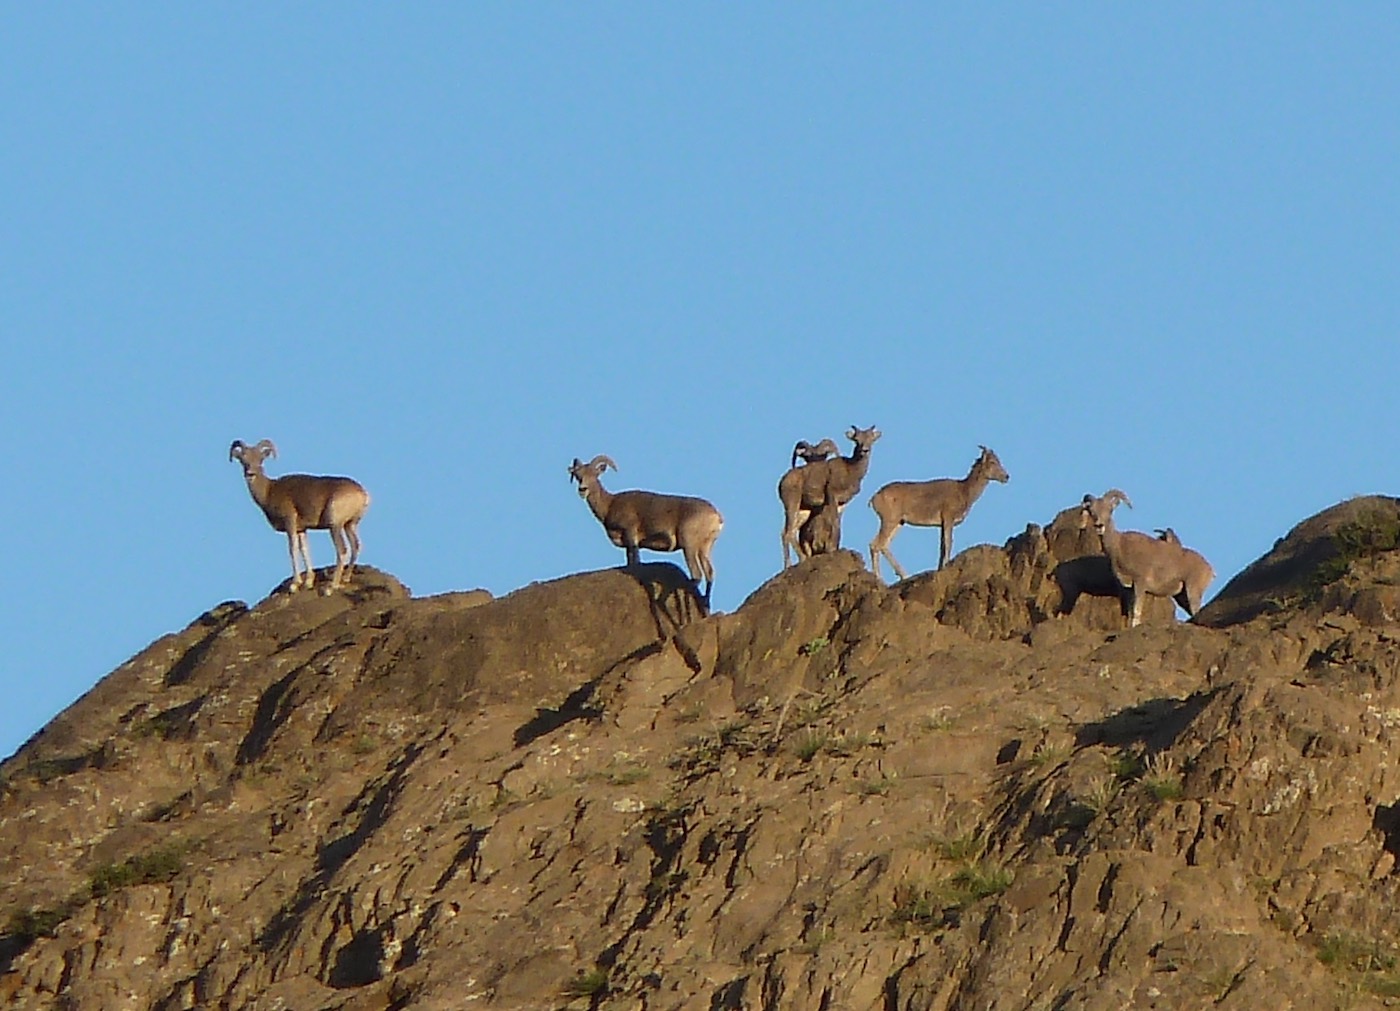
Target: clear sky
<point>446,248</point>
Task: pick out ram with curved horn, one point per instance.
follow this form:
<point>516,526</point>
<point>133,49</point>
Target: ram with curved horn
<point>1144,564</point>
<point>643,519</point>
<point>296,503</point>
<point>808,453</point>
<point>822,483</point>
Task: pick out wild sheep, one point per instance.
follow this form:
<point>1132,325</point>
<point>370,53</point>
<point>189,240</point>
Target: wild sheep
<point>943,503</point>
<point>1161,566</point>
<point>822,482</point>
<point>296,503</point>
<point>808,453</point>
<point>821,533</point>
<point>644,519</point>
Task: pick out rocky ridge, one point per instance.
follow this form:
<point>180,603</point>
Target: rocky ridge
<point>943,794</point>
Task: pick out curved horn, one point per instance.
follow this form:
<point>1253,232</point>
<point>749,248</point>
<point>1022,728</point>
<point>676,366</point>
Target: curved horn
<point>267,448</point>
<point>235,450</point>
<point>801,449</point>
<point>602,463</point>
<point>1115,496</point>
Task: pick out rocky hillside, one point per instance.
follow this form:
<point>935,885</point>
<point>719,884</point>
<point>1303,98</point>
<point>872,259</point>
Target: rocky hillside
<point>944,794</point>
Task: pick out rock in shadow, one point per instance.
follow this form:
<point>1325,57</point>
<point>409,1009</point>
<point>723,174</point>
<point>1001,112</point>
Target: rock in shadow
<point>212,622</point>
<point>672,597</point>
<point>575,707</point>
<point>1298,562</point>
<point>266,720</point>
<point>1386,821</point>
<point>357,963</point>
<point>1088,575</point>
<point>1156,723</point>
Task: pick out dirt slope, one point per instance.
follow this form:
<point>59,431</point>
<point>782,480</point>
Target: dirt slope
<point>936,795</point>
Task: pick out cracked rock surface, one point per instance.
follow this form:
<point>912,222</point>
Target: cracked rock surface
<point>943,794</point>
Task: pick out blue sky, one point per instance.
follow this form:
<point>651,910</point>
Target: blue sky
<point>446,248</point>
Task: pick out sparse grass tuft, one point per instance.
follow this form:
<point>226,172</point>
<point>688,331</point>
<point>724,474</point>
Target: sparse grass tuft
<point>877,787</point>
<point>28,925</point>
<point>1341,950</point>
<point>1101,792</point>
<point>593,983</point>
<point>846,745</point>
<point>1161,778</point>
<point>627,773</point>
<point>159,865</point>
<point>1366,537</point>
<point>931,906</point>
<point>1368,964</point>
<point>960,847</point>
<point>1124,766</point>
<point>1048,755</point>
<point>940,718</point>
<point>810,745</point>
<point>814,646</point>
<point>980,881</point>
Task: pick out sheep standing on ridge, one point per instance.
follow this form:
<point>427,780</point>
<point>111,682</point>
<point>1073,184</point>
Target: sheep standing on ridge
<point>830,483</point>
<point>644,519</point>
<point>296,503</point>
<point>944,503</point>
<point>1142,564</point>
<point>820,533</point>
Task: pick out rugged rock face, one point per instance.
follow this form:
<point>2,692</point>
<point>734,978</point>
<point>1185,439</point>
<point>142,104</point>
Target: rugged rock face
<point>937,795</point>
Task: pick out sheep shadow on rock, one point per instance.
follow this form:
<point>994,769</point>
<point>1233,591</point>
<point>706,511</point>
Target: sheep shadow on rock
<point>1088,575</point>
<point>672,596</point>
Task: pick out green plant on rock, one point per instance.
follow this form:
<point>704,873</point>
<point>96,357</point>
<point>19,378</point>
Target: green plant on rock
<point>1366,537</point>
<point>28,925</point>
<point>157,866</point>
<point>960,846</point>
<point>1125,766</point>
<point>918,904</point>
<point>932,906</point>
<point>1368,962</point>
<point>1100,793</point>
<point>593,983</point>
<point>1161,778</point>
<point>810,745</point>
<point>980,881</point>
<point>877,787</point>
<point>814,646</point>
<point>1048,755</point>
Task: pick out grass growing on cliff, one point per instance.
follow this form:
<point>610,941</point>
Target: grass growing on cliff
<point>934,905</point>
<point>159,865</point>
<point>1370,962</point>
<point>28,925</point>
<point>593,983</point>
<point>1366,537</point>
<point>1161,778</point>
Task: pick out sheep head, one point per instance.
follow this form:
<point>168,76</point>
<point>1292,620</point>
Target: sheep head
<point>989,465</point>
<point>251,457</point>
<point>1098,512</point>
<point>587,474</point>
<point>864,438</point>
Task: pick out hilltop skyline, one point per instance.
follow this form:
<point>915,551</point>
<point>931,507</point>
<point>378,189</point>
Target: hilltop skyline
<point>445,252</point>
